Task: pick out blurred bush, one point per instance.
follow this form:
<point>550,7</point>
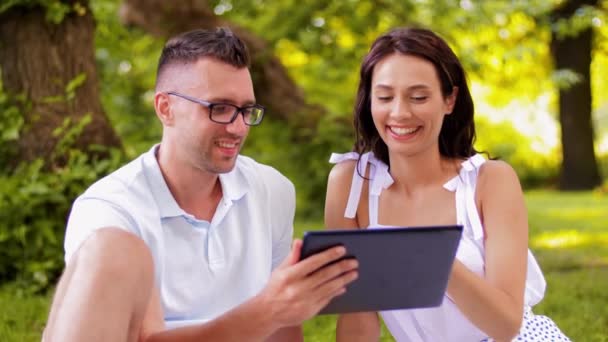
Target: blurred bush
<point>35,199</point>
<point>504,142</point>
<point>34,204</point>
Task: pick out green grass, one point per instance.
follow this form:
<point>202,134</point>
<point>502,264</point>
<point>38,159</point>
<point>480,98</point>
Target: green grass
<point>22,316</point>
<point>568,235</point>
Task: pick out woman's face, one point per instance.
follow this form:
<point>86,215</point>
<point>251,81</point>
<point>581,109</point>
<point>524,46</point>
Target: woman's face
<point>407,104</point>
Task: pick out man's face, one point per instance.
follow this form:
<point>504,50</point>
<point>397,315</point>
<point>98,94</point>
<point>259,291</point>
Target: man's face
<point>200,142</point>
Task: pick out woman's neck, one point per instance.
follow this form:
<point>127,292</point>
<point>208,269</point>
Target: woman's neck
<point>412,173</point>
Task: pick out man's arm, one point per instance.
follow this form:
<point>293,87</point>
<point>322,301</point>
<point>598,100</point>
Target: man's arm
<point>297,290</point>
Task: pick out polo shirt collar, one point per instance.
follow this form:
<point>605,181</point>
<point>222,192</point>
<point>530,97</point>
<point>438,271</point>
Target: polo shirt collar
<point>234,185</point>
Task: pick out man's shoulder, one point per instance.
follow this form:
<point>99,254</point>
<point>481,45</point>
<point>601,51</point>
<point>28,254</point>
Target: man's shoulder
<point>124,181</point>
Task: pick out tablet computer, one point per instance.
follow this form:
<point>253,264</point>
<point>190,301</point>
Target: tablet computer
<point>399,268</point>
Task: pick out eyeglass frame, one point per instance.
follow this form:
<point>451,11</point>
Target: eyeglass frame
<point>209,105</point>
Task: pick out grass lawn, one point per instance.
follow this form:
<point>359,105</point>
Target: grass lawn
<point>568,235</point>
<point>22,317</point>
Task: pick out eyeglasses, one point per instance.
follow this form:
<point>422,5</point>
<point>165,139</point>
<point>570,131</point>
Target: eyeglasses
<point>225,113</point>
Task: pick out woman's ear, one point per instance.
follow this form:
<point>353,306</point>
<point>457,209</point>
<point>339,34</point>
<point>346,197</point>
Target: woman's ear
<point>162,106</point>
<point>450,100</point>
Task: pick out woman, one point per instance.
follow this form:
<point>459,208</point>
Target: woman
<point>414,164</point>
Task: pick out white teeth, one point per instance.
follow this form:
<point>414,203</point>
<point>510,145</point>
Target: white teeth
<point>226,145</point>
<point>402,130</point>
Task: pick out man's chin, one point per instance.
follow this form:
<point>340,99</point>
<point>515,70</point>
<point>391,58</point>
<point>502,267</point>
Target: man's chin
<point>224,167</point>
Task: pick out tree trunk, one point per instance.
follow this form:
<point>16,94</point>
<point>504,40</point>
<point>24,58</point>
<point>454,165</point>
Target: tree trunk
<point>273,86</point>
<point>39,59</point>
<point>579,166</point>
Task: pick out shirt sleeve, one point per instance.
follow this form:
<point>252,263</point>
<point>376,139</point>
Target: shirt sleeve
<point>90,214</point>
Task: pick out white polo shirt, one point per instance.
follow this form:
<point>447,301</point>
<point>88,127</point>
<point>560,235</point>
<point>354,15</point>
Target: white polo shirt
<point>202,269</point>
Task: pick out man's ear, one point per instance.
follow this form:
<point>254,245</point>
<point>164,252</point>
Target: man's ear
<point>162,106</point>
<point>451,100</point>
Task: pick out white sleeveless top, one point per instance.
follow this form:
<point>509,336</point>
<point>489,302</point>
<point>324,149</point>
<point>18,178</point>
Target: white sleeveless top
<point>446,322</point>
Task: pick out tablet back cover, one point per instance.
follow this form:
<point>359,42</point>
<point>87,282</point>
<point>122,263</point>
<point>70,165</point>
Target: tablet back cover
<point>399,268</point>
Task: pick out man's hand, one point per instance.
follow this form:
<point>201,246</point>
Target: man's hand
<point>298,290</point>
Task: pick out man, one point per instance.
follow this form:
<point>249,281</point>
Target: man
<point>191,241</point>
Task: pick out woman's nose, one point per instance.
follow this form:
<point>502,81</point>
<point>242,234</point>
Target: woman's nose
<point>401,109</point>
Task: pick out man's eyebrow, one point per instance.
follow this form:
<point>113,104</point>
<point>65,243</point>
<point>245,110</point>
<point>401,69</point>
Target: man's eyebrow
<point>230,101</point>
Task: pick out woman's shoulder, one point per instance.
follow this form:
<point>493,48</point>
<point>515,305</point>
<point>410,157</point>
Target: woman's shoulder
<point>342,171</point>
<point>496,168</point>
<point>496,173</point>
<point>346,165</point>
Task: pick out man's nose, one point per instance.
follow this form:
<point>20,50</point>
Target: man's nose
<point>238,126</point>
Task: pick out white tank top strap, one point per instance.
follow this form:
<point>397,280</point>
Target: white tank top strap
<point>379,178</point>
<point>357,182</point>
<point>464,185</point>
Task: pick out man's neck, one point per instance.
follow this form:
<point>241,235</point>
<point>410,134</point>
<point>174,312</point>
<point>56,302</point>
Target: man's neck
<point>196,191</point>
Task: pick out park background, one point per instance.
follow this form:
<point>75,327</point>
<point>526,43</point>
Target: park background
<point>76,103</point>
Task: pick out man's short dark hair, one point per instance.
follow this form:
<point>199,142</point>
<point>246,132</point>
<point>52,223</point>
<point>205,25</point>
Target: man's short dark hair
<point>188,47</point>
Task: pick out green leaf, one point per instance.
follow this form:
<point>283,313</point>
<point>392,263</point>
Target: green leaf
<point>70,88</point>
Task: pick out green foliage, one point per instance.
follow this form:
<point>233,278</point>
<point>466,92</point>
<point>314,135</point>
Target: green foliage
<point>68,133</point>
<point>503,141</point>
<point>75,83</point>
<point>35,201</point>
<point>126,59</point>
<point>35,198</point>
<point>34,204</point>
<point>580,21</point>
<point>69,92</point>
<point>11,122</point>
<point>56,10</point>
